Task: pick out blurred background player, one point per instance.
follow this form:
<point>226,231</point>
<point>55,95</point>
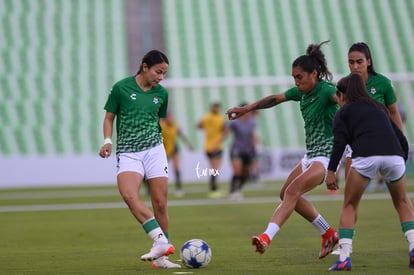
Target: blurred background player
<point>138,102</point>
<point>242,152</point>
<point>316,97</point>
<point>170,133</point>
<point>213,124</point>
<point>357,123</point>
<point>254,175</point>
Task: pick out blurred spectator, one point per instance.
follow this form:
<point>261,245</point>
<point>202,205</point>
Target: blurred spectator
<point>242,152</point>
<point>170,134</point>
<point>213,125</point>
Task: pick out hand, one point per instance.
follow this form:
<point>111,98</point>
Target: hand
<point>105,151</point>
<point>330,181</point>
<point>236,112</point>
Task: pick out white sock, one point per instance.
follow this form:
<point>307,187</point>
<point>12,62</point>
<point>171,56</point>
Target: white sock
<point>345,248</point>
<point>271,230</point>
<point>158,236</point>
<point>320,224</point>
<point>154,230</point>
<point>409,235</point>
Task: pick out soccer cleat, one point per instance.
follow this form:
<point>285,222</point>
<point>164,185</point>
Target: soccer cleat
<point>329,240</point>
<point>157,251</point>
<point>261,242</point>
<point>411,262</point>
<point>342,265</point>
<point>163,262</point>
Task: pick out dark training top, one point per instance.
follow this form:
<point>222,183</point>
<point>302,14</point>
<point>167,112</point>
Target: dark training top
<point>368,129</point>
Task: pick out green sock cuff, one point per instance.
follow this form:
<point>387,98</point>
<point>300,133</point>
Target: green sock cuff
<point>346,233</point>
<point>150,225</point>
<point>167,235</point>
<point>405,226</point>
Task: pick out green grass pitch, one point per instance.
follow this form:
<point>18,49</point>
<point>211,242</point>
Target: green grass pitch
<point>52,231</point>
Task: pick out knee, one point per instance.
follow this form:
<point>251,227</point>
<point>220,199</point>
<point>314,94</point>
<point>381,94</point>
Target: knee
<point>128,196</point>
<point>291,192</point>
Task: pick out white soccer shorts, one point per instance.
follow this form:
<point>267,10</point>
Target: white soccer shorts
<point>151,163</point>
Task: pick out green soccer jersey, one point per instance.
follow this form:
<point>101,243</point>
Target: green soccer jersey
<point>137,115</point>
<point>318,109</point>
<point>380,88</point>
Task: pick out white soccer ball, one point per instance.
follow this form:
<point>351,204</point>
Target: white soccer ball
<point>195,253</point>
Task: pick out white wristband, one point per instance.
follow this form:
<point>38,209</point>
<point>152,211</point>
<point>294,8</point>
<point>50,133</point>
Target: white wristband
<point>107,141</point>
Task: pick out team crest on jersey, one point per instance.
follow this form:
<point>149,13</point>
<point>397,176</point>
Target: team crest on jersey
<point>133,96</point>
<point>373,91</point>
<point>155,100</point>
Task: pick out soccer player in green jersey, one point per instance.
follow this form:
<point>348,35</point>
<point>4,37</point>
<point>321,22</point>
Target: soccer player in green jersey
<point>138,102</point>
<point>317,103</point>
<point>378,86</point>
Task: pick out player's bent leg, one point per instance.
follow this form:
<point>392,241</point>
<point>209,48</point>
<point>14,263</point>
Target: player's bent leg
<point>128,186</point>
<point>400,199</point>
<point>159,193</point>
<point>293,174</point>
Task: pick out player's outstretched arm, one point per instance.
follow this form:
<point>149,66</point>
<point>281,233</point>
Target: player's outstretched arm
<point>264,103</point>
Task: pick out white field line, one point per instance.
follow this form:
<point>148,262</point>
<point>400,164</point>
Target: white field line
<point>60,194</point>
<point>57,194</point>
<point>114,205</point>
